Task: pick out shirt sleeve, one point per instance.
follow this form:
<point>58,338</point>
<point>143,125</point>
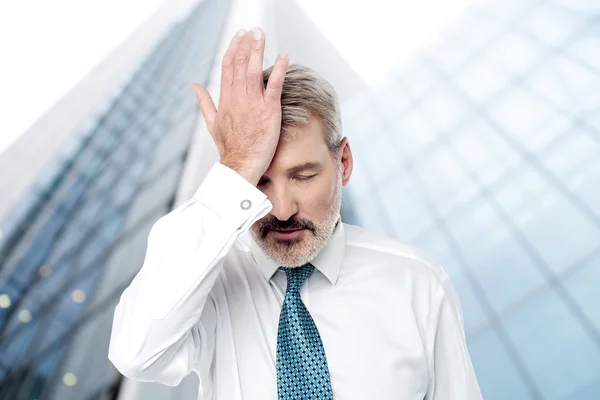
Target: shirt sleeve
<point>452,375</point>
<point>164,324</point>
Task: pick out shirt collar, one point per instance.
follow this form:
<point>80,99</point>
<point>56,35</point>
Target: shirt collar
<point>328,260</point>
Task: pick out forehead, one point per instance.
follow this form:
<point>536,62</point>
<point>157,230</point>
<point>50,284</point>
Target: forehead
<point>306,144</point>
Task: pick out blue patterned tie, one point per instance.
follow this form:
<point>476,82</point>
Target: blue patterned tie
<point>302,371</point>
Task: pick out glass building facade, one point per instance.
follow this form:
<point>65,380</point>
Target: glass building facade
<point>483,149</point>
<point>73,243</point>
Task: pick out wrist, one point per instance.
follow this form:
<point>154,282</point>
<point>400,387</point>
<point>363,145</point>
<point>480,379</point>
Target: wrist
<point>247,172</point>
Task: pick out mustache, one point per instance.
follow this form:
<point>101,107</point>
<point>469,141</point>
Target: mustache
<point>286,225</point>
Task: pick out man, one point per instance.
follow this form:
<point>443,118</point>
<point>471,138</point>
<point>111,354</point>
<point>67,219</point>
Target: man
<point>257,285</point>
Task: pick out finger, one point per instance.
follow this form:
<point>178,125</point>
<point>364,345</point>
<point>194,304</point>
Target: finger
<point>254,84</point>
<point>206,104</point>
<point>240,67</point>
<point>275,83</point>
<point>228,61</point>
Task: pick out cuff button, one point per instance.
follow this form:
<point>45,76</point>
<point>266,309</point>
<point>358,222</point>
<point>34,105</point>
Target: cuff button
<point>245,204</point>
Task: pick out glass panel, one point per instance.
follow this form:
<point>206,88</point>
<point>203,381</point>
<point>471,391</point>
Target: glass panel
<point>473,314</point>
<point>507,11</point>
<point>488,156</point>
<point>589,391</point>
<point>586,184</point>
<point>41,296</point>
<point>14,218</point>
<point>434,244</point>
<point>445,179</point>
<point>360,181</point>
<point>14,347</point>
<point>106,180</point>
<point>476,223</point>
<point>445,107</point>
<point>56,332</point>
<point>381,155</point>
<point>448,54</point>
<point>480,79</point>
<point>420,79</point>
<point>369,214</point>
<point>551,24</point>
<point>404,207</point>
<point>389,97</point>
<point>50,173</point>
<point>514,52</point>
<point>123,193</point>
<point>557,229</point>
<point>567,84</point>
<point>497,375</point>
<point>506,272</point>
<point>585,6</point>
<point>554,347</point>
<point>570,152</point>
<point>525,118</point>
<point>360,125</point>
<point>413,131</point>
<point>586,47</point>
<point>480,30</point>
<point>583,287</point>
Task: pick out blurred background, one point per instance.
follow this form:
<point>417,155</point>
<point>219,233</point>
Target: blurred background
<point>475,129</point>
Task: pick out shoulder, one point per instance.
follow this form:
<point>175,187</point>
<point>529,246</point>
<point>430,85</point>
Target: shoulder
<point>395,253</point>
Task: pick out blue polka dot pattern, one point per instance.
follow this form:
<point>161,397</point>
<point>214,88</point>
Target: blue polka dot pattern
<point>302,371</point>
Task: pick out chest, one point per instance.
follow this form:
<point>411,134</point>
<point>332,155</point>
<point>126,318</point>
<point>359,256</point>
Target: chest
<point>371,337</point>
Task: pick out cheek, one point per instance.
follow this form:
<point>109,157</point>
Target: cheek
<point>316,199</point>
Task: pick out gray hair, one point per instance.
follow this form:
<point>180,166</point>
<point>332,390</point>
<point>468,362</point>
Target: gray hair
<point>307,93</point>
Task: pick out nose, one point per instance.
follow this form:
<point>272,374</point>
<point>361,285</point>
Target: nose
<point>284,204</point>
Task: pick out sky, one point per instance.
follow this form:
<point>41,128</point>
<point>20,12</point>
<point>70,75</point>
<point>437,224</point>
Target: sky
<point>49,46</point>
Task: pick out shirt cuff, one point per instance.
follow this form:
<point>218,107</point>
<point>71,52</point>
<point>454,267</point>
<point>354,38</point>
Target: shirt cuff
<point>231,196</point>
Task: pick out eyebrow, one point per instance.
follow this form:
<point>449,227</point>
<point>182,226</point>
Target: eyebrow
<point>307,165</point>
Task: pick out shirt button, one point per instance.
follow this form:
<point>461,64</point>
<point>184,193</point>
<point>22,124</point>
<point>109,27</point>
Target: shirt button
<point>245,204</point>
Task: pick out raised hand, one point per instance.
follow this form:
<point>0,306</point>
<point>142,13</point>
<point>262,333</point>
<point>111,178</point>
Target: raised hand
<point>246,128</point>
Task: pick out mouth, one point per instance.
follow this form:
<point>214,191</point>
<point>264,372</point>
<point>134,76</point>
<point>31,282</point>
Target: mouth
<point>287,234</point>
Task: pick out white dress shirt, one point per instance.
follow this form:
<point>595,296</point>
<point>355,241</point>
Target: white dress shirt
<point>207,299</point>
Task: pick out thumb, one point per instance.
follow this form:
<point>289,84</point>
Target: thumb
<point>207,106</point>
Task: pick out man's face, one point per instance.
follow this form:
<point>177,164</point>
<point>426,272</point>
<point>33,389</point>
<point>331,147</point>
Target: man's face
<point>305,200</point>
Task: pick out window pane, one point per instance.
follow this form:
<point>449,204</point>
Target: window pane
<point>488,156</point>
<point>583,287</point>
<point>559,231</point>
<point>496,373</point>
<point>514,52</point>
<point>480,79</point>
<point>445,179</point>
<point>404,206</point>
<point>520,115</point>
<point>554,347</point>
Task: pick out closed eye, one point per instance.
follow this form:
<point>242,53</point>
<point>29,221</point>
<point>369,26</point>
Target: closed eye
<point>304,178</point>
<point>298,178</point>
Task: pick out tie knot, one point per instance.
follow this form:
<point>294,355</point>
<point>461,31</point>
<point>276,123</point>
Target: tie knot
<point>296,276</point>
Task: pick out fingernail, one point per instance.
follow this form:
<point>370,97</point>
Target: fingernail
<point>283,55</point>
<point>257,33</point>
<point>241,32</point>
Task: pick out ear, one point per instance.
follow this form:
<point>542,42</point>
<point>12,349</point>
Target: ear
<point>345,155</point>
